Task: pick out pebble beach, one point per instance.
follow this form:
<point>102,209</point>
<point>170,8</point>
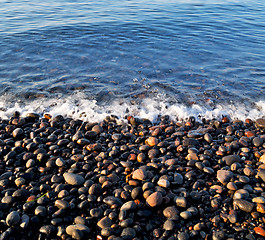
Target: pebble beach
<point>131,178</point>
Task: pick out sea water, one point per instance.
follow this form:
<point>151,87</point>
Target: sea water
<point>90,59</point>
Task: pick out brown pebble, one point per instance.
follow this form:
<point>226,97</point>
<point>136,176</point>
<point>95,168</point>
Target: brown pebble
<point>155,199</point>
<point>151,141</point>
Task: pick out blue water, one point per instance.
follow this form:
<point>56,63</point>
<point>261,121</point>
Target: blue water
<point>192,51</point>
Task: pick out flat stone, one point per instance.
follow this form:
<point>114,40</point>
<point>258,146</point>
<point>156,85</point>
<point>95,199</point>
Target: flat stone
<point>230,159</point>
<point>224,176</point>
<point>73,179</point>
<point>12,218</point>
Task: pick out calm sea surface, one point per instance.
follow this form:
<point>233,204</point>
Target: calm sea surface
<point>115,55</point>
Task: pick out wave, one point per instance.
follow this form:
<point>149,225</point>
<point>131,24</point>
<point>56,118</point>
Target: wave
<point>77,106</point>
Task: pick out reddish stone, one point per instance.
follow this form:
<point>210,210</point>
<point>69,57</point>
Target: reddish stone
<point>260,231</point>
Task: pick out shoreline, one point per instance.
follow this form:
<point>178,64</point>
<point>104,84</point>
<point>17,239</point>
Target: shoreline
<point>68,179</point>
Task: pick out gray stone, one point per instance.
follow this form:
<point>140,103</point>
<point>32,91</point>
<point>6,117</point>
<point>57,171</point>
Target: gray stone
<point>171,212</point>
<point>47,229</point>
<point>24,221</point>
<point>186,214</point>
<point>73,179</point>
<point>230,159</point>
<point>77,231</point>
<point>128,233</point>
<point>224,176</point>
<point>181,202</point>
<point>104,222</point>
<point>169,225</point>
<point>244,205</point>
<point>130,205</point>
<point>12,218</point>
<point>260,122</point>
<point>61,204</point>
<point>183,236</point>
<point>261,174</point>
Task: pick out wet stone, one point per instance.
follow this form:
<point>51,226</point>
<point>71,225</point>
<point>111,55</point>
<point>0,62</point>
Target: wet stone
<point>96,212</point>
<point>260,122</point>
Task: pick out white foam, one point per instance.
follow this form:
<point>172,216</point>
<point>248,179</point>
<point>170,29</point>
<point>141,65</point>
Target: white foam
<point>78,107</point>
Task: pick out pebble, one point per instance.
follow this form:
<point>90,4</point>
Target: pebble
<point>169,225</point>
<point>186,215</point>
<point>139,174</point>
<point>224,176</point>
<point>259,231</point>
<point>244,205</point>
<point>155,199</point>
<point>171,212</point>
<point>73,179</point>
<point>129,179</point>
<point>12,218</point>
<point>163,183</point>
<point>230,159</point>
<point>128,233</point>
<point>181,202</point>
<point>77,231</point>
<point>260,122</point>
<point>47,229</point>
<point>105,222</point>
<point>128,206</point>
